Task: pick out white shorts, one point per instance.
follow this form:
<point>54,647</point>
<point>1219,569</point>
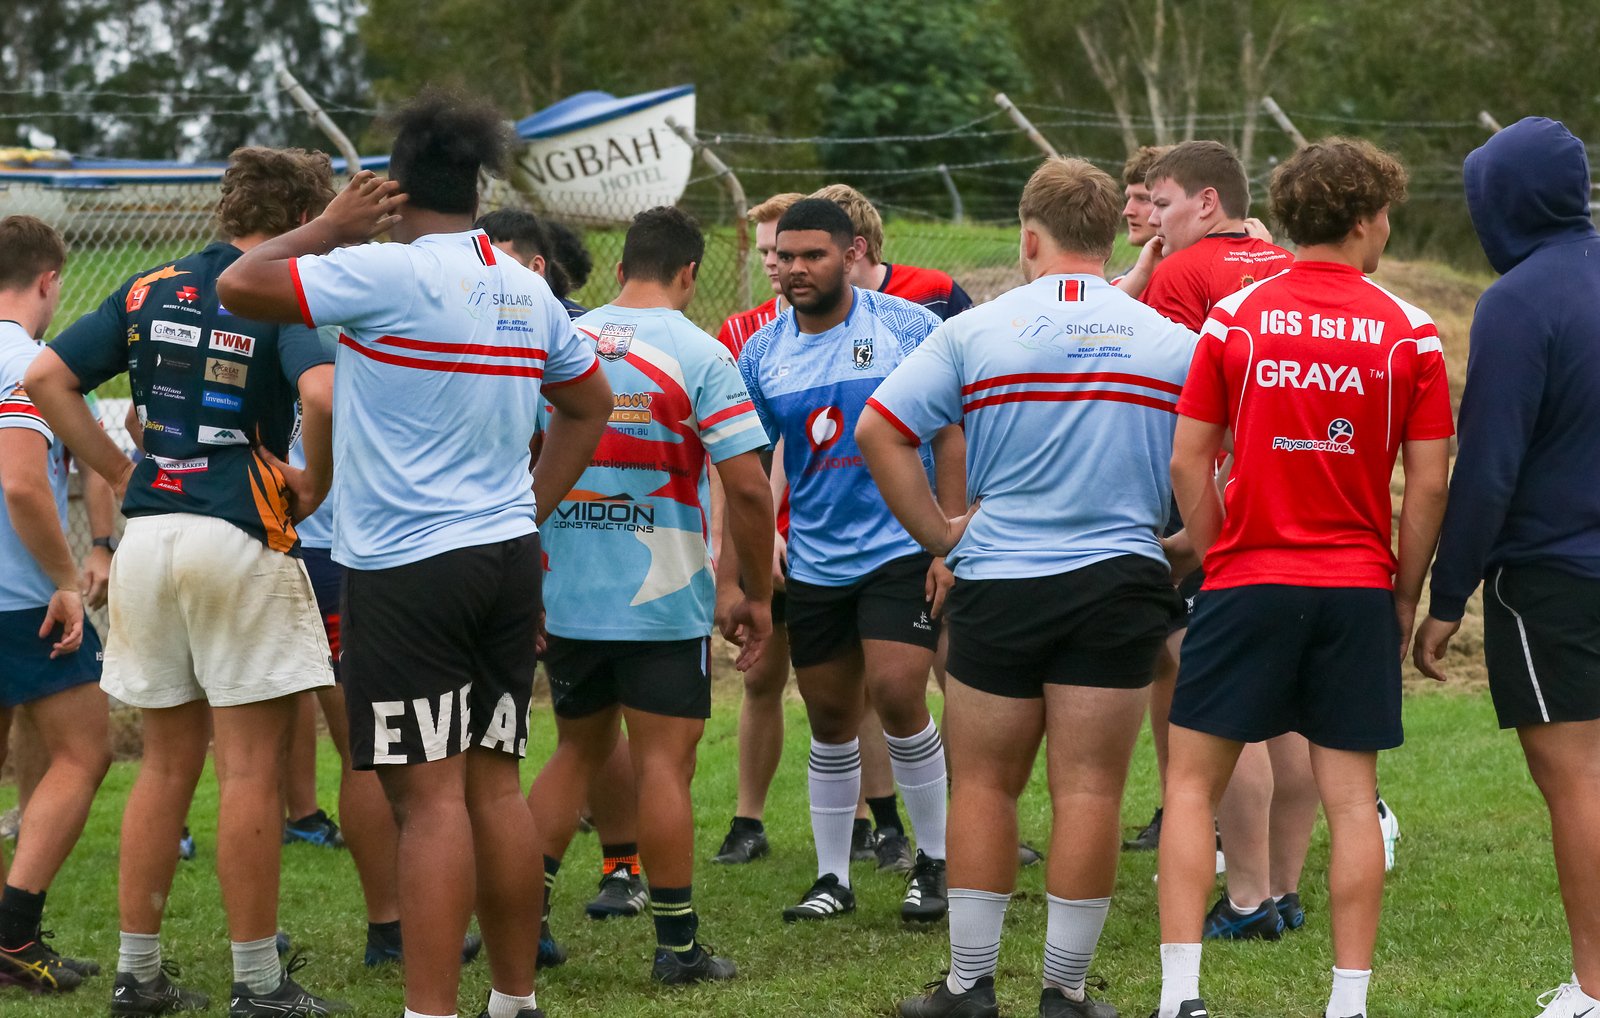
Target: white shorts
<point>200,610</point>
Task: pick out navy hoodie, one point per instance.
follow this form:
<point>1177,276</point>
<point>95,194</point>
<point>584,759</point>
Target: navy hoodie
<point>1526,487</point>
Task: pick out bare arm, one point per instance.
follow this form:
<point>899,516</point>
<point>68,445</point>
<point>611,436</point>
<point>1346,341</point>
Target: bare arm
<point>582,409</point>
<point>900,477</point>
<point>750,529</point>
<point>1194,481</point>
<point>58,394</point>
<point>316,428</point>
<point>101,508</point>
<point>950,469</point>
<point>1138,277</point>
<point>24,477</point>
<point>1427,471</point>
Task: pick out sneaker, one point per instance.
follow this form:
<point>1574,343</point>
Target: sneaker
<point>746,844</point>
<point>622,893</point>
<point>925,893</point>
<point>316,829</point>
<point>941,1002</point>
<point>863,839</point>
<point>158,996</point>
<point>1195,1008</point>
<point>893,852</point>
<point>1223,922</point>
<point>1027,855</point>
<point>290,998</point>
<point>1055,1004</point>
<point>35,966</point>
<point>1148,839</point>
<point>696,965</point>
<point>382,950</point>
<point>1294,915</point>
<point>1565,1000</point>
<point>83,966</point>
<point>186,848</point>
<point>527,1012</point>
<point>826,898</point>
<point>551,953</point>
<point>1391,833</point>
<point>11,823</point>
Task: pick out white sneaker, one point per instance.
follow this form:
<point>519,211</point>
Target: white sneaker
<point>1567,1001</point>
<point>1391,833</point>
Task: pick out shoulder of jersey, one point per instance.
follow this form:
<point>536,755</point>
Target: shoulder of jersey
<point>1415,316</point>
<point>895,311</point>
<point>1233,301</point>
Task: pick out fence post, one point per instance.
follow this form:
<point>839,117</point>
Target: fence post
<point>1276,113</point>
<point>302,98</point>
<point>1023,122</point>
<point>958,214</point>
<point>1488,121</point>
<point>736,194</point>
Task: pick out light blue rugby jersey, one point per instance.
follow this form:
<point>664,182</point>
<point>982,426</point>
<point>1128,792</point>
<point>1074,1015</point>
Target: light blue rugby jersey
<point>442,353</point>
<point>626,550</point>
<point>1068,390</point>
<point>23,584</point>
<point>809,391</point>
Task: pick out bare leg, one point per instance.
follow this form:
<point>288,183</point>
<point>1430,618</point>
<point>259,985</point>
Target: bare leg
<point>1564,759</point>
<point>365,818</point>
<point>29,758</point>
<point>1294,810</point>
<point>613,801</point>
<point>761,725</point>
<point>1348,783</point>
<point>1244,818</point>
<point>1196,776</point>
<point>583,745</point>
<point>1166,680</point>
<point>663,763</point>
<point>72,732</point>
<point>990,745</point>
<point>175,743</point>
<point>1091,738</point>
<point>509,891</point>
<point>251,742</point>
<point>877,775</point>
<point>300,771</point>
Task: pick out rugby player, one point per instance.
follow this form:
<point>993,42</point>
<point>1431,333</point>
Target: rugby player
<point>1524,506</point>
<point>51,651</point>
<point>629,587</point>
<point>213,624</point>
<point>863,598</point>
<point>526,238</point>
<point>761,709</point>
<point>1305,612</point>
<point>1063,595</point>
<point>444,353</point>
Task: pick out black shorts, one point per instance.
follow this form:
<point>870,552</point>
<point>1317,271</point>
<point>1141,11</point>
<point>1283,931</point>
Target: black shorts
<point>439,654</point>
<point>1263,660</point>
<point>886,604</point>
<point>667,677</point>
<point>1541,639</point>
<point>1101,625</point>
<point>327,581</point>
<point>1188,590</point>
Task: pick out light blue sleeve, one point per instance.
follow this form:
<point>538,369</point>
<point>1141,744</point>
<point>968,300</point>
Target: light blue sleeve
<point>370,286</point>
<point>723,411</point>
<point>923,393</point>
<point>569,356</point>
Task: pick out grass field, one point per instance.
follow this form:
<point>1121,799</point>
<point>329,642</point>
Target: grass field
<point>1474,884</point>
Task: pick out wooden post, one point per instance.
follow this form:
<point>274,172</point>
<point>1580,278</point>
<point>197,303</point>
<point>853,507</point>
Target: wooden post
<point>1276,113</point>
<point>1023,122</point>
<point>303,99</point>
<point>741,205</point>
<point>957,211</point>
<point>1489,123</point>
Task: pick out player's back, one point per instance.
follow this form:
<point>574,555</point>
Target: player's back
<point>1187,284</point>
<point>1320,374</point>
<point>934,289</point>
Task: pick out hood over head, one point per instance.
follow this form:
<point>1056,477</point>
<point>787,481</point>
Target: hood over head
<point>1527,186</point>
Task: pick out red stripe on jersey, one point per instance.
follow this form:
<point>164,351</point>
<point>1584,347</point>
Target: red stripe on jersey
<point>1136,398</point>
<point>899,425</point>
<point>1070,290</point>
<point>722,415</point>
<point>300,293</point>
<point>1082,376</point>
<point>482,349</point>
<point>25,407</point>
<point>591,369</point>
<point>467,367</point>
<point>485,249</point>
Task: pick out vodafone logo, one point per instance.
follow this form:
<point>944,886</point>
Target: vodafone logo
<point>824,427</point>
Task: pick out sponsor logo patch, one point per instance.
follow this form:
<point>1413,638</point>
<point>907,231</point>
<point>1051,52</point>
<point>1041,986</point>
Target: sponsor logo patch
<point>165,428</point>
<point>226,372</point>
<point>175,332</point>
<point>188,294</point>
<point>167,482</point>
<point>824,427</point>
<point>140,288</point>
<point>234,342</point>
<point>862,352</point>
<point>614,341</point>
<point>221,400</point>
<point>188,466</point>
<point>222,436</point>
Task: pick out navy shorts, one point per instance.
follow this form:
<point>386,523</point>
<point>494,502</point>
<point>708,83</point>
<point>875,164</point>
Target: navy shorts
<point>1263,660</point>
<point>327,578</point>
<point>26,671</point>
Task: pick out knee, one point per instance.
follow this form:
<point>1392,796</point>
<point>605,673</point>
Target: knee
<point>765,684</point>
<point>903,716</point>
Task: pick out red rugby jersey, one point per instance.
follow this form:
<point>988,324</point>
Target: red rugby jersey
<point>935,290</point>
<point>1321,374</point>
<point>1187,284</point>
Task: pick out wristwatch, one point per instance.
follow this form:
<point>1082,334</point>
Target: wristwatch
<point>108,543</point>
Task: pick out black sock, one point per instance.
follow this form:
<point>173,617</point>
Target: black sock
<point>860,827</point>
<point>676,922</point>
<point>387,932</point>
<point>885,815</point>
<point>20,912</point>
<point>748,824</point>
<point>619,850</point>
<point>551,868</point>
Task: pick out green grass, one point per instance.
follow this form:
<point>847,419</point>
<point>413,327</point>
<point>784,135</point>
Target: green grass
<point>1475,881</point>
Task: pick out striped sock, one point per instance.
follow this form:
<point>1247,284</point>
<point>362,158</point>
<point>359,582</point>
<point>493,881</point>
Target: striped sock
<point>676,922</point>
<point>1071,933</point>
<point>620,854</point>
<point>975,921</point>
<point>919,770</point>
<point>552,866</point>
<point>833,775</point>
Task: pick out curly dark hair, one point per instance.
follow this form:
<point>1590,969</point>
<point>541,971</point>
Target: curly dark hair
<point>1322,191</point>
<point>267,190</point>
<point>442,140</point>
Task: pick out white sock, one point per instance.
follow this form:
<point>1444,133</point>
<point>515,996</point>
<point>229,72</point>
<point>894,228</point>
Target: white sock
<point>919,771</point>
<point>140,955</point>
<point>1349,996</point>
<point>975,921</point>
<point>833,776</point>
<point>1071,934</point>
<point>1243,909</point>
<point>418,1014</point>
<point>255,964</point>
<point>504,1005</point>
<point>1180,977</point>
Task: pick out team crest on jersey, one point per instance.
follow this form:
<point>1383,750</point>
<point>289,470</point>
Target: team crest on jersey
<point>863,352</point>
<point>614,341</point>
